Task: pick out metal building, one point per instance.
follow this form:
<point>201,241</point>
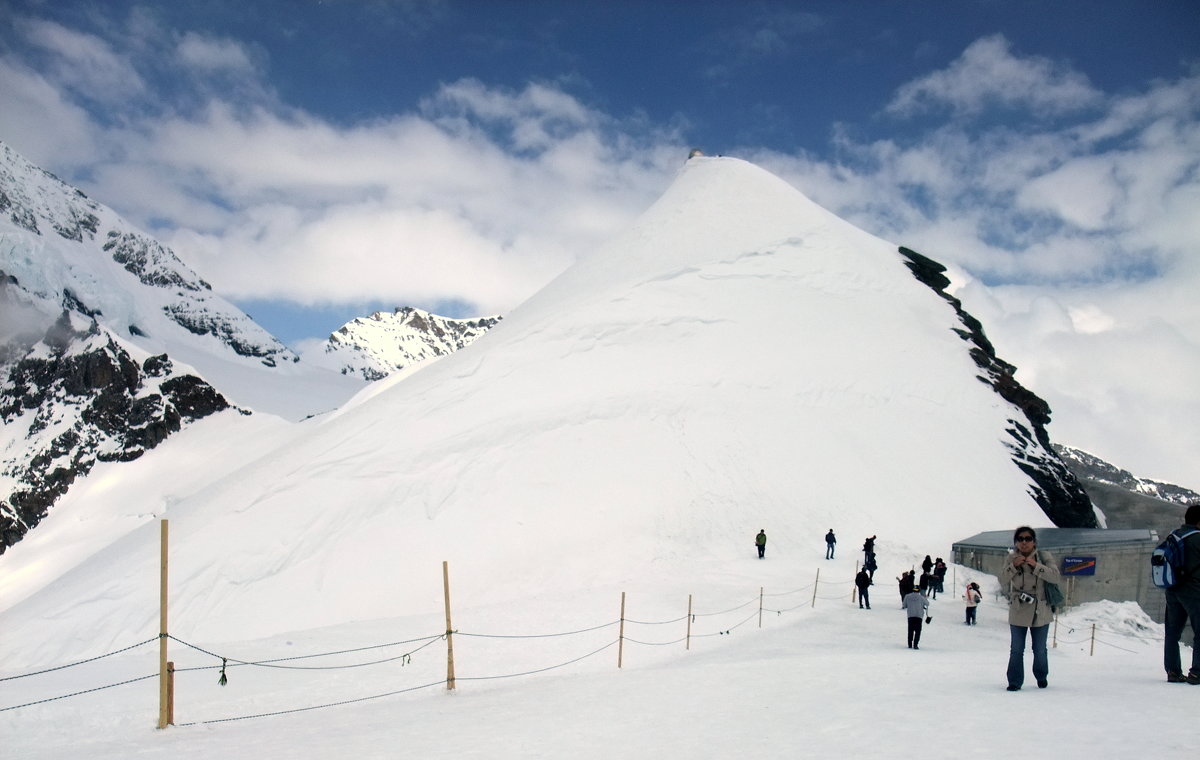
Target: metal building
<point>1096,564</point>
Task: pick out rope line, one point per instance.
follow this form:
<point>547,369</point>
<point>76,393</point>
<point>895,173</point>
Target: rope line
<point>82,662</point>
<point>77,693</point>
<point>539,670</point>
<point>536,635</point>
<point>656,643</point>
<point>727,630</point>
<point>725,612</point>
<point>788,593</point>
<point>312,707</point>
<point>271,663</point>
<point>657,622</point>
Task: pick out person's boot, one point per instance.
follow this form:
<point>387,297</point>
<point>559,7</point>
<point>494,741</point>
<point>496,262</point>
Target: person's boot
<point>1194,678</point>
<point>1176,677</point>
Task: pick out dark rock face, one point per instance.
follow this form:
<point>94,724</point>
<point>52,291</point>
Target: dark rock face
<point>82,399</point>
<point>1056,489</point>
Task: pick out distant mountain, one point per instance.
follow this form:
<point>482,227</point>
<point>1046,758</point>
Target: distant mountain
<point>376,346</point>
<point>1125,500</point>
<point>1097,470</point>
<point>109,344</point>
<point>69,252</point>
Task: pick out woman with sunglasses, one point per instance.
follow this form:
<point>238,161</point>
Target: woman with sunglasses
<point>1025,574</point>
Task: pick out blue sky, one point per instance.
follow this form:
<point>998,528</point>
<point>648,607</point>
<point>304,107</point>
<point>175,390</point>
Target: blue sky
<point>316,161</point>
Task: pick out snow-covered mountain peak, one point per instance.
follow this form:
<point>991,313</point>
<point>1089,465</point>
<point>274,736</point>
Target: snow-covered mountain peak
<point>386,342</point>
<point>738,359</point>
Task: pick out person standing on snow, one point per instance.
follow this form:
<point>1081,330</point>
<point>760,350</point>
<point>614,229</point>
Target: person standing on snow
<point>1024,574</point>
<point>761,542</point>
<point>939,577</point>
<point>830,541</point>
<point>973,598</point>
<point>916,606</point>
<point>863,581</point>
<point>1183,603</point>
<point>907,584</point>
<point>868,550</point>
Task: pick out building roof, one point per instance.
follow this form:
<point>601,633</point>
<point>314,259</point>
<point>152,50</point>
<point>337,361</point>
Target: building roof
<point>1064,538</point>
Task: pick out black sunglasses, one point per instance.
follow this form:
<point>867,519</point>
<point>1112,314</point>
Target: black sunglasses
<point>1021,539</point>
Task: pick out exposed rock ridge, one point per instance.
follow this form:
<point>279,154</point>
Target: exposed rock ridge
<point>1057,491</point>
<point>77,397</point>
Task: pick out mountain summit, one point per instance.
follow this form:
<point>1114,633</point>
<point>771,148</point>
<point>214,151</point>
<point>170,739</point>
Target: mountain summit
<point>739,359</point>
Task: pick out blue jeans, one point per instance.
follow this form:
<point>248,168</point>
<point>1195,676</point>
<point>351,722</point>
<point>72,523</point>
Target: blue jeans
<point>1016,654</point>
<point>1179,609</point>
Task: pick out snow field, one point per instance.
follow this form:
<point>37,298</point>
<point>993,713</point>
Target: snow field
<point>828,680</point>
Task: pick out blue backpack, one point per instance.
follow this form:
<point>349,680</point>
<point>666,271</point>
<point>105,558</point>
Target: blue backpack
<point>1167,561</point>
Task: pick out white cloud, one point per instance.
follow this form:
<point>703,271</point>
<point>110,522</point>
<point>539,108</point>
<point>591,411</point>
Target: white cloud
<point>988,73</point>
<point>1075,238</point>
<point>212,54</point>
<point>84,63</point>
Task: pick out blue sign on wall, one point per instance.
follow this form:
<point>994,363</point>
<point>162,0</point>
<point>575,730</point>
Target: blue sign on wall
<point>1079,566</point>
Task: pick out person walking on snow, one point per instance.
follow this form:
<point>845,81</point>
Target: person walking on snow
<point>973,598</point>
<point>863,581</point>
<point>830,541</point>
<point>761,542</point>
<point>916,606</point>
<point>868,550</point>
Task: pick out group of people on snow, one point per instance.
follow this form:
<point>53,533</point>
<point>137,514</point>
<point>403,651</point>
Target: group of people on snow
<point>1027,578</point>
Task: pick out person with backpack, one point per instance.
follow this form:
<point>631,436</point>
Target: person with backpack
<point>1183,600</point>
<point>1025,573</point>
<point>863,582</point>
<point>973,597</point>
<point>761,542</point>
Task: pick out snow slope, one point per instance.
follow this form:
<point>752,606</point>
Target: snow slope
<point>739,359</point>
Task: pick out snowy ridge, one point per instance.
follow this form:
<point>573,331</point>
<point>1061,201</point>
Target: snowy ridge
<point>384,343</point>
<point>1095,468</point>
<point>730,363</point>
<point>71,252</point>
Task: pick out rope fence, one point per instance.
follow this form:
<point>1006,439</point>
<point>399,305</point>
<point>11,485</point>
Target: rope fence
<point>417,645</point>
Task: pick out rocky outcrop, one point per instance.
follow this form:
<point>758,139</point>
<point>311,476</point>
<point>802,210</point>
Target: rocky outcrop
<point>77,397</point>
<point>1055,488</point>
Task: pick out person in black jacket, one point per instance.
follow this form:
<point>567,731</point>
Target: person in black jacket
<point>1183,603</point>
<point>863,581</point>
<point>907,583</point>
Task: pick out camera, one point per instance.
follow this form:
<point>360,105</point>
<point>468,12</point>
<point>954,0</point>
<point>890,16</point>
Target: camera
<point>1026,598</point>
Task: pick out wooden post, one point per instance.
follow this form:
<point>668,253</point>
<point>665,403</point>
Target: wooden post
<point>449,629</point>
<point>621,633</point>
<point>816,583</point>
<point>171,693</point>
<point>1092,653</point>
<point>164,693</point>
<point>854,585</point>
<point>760,598</point>
<point>1055,635</point>
<point>689,626</point>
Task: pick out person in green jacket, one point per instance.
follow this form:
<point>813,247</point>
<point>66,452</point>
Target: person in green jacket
<point>761,542</point>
